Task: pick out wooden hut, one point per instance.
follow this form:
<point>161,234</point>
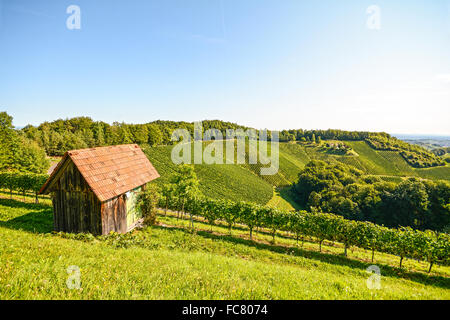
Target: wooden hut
<point>93,190</point>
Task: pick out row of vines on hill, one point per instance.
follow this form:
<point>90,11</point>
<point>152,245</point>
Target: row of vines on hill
<point>404,242</point>
<point>416,156</point>
<point>22,182</point>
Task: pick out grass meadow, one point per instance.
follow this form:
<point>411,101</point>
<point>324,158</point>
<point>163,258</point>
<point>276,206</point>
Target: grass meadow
<point>168,261</point>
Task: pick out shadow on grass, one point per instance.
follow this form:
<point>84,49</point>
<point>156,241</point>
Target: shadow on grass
<point>37,219</point>
<point>240,227</point>
<point>433,280</point>
<point>287,193</point>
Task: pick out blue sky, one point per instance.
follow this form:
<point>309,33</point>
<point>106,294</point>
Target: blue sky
<point>266,64</point>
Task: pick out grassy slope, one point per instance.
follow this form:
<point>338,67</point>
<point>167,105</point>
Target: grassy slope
<point>243,182</point>
<point>389,165</point>
<point>175,264</point>
<point>380,162</point>
<point>217,181</point>
<point>442,173</point>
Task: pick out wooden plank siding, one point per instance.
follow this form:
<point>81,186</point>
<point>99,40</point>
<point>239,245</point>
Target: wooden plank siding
<point>114,215</point>
<point>75,206</point>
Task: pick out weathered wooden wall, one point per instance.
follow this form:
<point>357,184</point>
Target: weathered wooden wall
<point>75,206</point>
<point>114,215</point>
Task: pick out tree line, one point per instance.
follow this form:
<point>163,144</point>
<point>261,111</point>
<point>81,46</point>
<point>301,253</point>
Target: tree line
<point>330,134</point>
<point>344,190</point>
<point>17,152</point>
<point>59,136</point>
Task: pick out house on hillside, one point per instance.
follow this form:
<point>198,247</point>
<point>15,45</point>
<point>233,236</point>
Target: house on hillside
<point>94,190</point>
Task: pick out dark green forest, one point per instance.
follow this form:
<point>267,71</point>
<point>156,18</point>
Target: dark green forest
<point>59,136</point>
<point>338,188</point>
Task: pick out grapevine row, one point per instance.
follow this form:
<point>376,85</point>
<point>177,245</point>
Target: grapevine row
<point>22,182</point>
<point>427,246</point>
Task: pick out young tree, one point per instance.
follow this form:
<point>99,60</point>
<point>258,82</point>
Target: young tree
<point>30,157</point>
<point>167,193</point>
<point>186,184</point>
<point>8,142</point>
<point>249,216</point>
<point>147,202</point>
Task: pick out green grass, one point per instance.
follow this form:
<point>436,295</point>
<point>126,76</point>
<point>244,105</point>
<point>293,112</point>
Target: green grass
<point>331,251</point>
<point>380,162</point>
<point>283,199</point>
<point>293,159</point>
<point>172,263</point>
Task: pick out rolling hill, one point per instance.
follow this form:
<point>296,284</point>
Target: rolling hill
<point>243,181</point>
<point>168,261</point>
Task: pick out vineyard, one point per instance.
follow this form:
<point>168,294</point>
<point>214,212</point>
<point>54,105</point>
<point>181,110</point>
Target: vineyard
<point>398,163</point>
<point>442,173</point>
<point>22,182</point>
<point>219,181</point>
<point>403,242</point>
<point>373,161</point>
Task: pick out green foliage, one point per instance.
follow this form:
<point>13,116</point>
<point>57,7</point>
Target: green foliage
<point>185,183</point>
<point>249,215</point>
<point>378,162</point>
<point>336,147</point>
<point>147,201</point>
<point>22,182</point>
<point>217,181</point>
<point>17,152</point>
<point>8,142</point>
<point>59,136</point>
<point>403,242</point>
<point>415,155</point>
<point>30,157</point>
<point>441,151</point>
<point>331,134</point>
<point>155,135</point>
<point>343,190</point>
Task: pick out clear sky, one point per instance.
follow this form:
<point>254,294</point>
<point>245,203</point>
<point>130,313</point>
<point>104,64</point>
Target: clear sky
<point>267,64</point>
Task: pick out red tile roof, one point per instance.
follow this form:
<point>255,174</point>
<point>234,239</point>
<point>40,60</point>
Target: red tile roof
<point>110,171</point>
